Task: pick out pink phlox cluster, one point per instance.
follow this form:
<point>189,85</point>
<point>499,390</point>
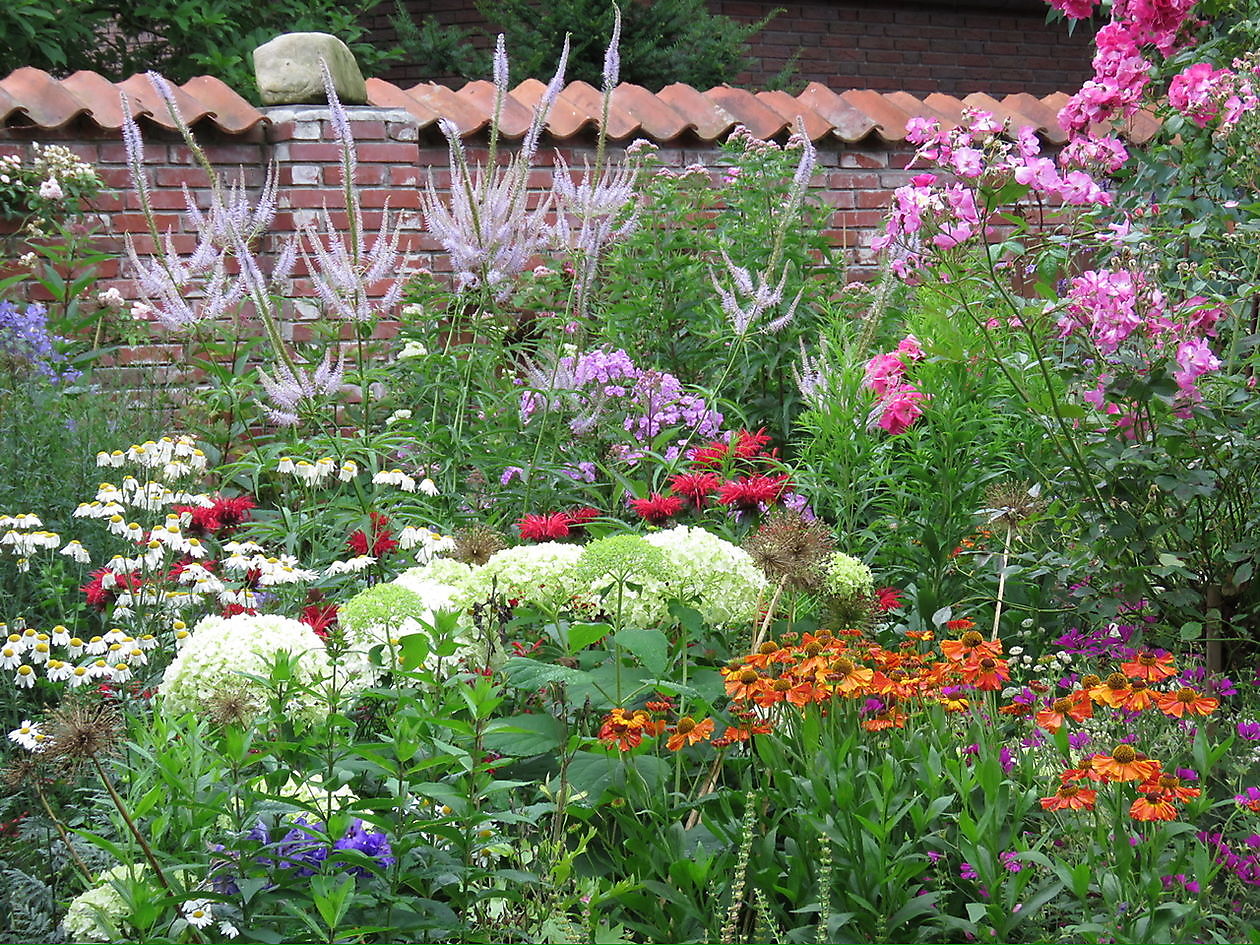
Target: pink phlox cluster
<point>932,213</point>
<point>898,403</point>
<point>1075,9</point>
<point>1121,66</point>
<point>1203,93</point>
<point>1110,305</point>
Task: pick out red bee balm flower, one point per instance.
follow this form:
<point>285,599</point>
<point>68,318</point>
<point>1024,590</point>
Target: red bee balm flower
<point>748,445</point>
<point>748,493</point>
<point>546,527</point>
<point>696,486</point>
<point>381,544</point>
<point>657,509</point>
<point>319,617</point>
<point>712,453</point>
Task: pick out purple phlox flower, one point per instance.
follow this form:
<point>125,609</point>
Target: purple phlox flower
<point>581,472</point>
<point>1011,861</point>
<point>510,473</point>
<point>24,337</point>
<point>291,386</point>
<point>374,844</point>
<point>872,706</point>
<point>1186,774</point>
<point>1249,731</point>
<point>1006,758</point>
<point>1035,739</point>
<point>1197,677</point>
<point>1078,740</point>
<point>967,871</point>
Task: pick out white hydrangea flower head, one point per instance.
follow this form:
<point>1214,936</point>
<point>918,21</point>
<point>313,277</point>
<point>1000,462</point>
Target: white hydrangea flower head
<point>88,912</point>
<point>847,578</point>
<point>709,573</point>
<point>219,650</point>
<point>532,574</point>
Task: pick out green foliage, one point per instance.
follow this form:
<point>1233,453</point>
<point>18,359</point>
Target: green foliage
<point>119,38</point>
<point>663,41</point>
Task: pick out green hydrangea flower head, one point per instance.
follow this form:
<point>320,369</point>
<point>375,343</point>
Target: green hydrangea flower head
<point>620,559</point>
<point>385,605</point>
<point>99,914</point>
<point>848,579</point>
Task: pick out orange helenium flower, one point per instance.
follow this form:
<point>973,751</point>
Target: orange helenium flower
<point>1070,796</point>
<point>1076,707</point>
<point>1170,788</point>
<point>688,732</point>
<point>1123,764</point>
<point>744,683</point>
<point>986,674</point>
<point>1152,807</point>
<point>1114,690</point>
<point>1139,697</point>
<point>1149,667</point>
<point>971,645</point>
<point>1186,701</point>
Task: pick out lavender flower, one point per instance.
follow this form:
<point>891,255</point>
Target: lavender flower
<point>24,338</point>
<point>343,274</point>
<point>487,229</point>
<point>291,387</point>
<point>750,298</point>
<point>599,211</point>
<point>612,55</point>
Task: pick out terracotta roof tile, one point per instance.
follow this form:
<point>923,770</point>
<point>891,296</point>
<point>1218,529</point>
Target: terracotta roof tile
<point>706,117</point>
<point>31,97</point>
<point>847,123</point>
<point>793,108</point>
<point>655,119</point>
<point>41,98</point>
<point>514,118</point>
<point>749,111</point>
<point>890,121</point>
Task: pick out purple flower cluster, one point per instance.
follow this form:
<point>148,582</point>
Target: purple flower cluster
<point>1245,867</point>
<point>1197,677</point>
<point>25,338</point>
<point>588,385</point>
<point>304,848</point>
<point>1111,641</point>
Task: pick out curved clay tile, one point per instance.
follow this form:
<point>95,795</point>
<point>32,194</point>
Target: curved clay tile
<point>229,111</point>
<point>568,117</point>
<point>387,95</point>
<point>890,121</point>
<point>790,108</point>
<point>528,94</point>
<point>1142,127</point>
<point>41,97</point>
<point>761,120</point>
<point>446,104</point>
<point>590,100</point>
<point>8,105</point>
<point>145,100</point>
<point>514,118</point>
<point>705,117</point>
<point>946,105</point>
<point>1038,114</point>
<point>917,109</point>
<point>655,118</point>
<point>847,123</point>
<point>98,97</point>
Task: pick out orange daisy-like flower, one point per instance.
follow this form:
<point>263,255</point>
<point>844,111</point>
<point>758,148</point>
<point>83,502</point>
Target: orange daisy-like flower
<point>1071,796</point>
<point>807,691</point>
<point>971,646</point>
<point>689,732</point>
<point>848,677</point>
<point>1123,764</point>
<point>1186,701</point>
<point>625,730</point>
<point>888,718</point>
<point>1139,698</point>
<point>1152,807</point>
<point>1149,667</point>
<point>774,693</point>
<point>744,683</point>
<point>1088,769</point>
<point>986,673</point>
<point>1077,707</point>
<point>1169,787</point>
<point>1112,691</point>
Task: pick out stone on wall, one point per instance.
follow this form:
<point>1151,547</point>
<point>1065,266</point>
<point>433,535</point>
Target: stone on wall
<point>288,70</point>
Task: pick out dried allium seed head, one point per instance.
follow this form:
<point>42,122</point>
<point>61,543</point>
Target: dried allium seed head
<point>80,732</point>
<point>475,545</point>
<point>231,707</point>
<point>1012,503</point>
<point>787,547</point>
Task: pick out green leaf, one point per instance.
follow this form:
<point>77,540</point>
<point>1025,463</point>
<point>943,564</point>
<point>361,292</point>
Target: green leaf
<point>582,635</point>
<point>522,736</point>
<point>649,646</point>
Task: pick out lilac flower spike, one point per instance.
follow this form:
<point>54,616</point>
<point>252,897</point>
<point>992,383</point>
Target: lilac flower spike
<point>612,56</point>
<point>290,387</point>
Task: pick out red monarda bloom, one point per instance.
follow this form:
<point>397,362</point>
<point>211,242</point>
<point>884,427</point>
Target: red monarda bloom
<point>580,517</point>
<point>223,516</point>
<point>747,444</point>
<point>100,596</point>
<point>696,486</point>
<point>713,453</point>
<point>748,493</point>
<point>319,617</point>
<point>657,509</point>
<point>232,610</point>
<point>547,527</point>
<point>887,598</point>
<point>381,544</point>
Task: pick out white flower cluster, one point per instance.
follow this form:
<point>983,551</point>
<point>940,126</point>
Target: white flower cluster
<point>93,915</point>
<point>110,657</point>
<point>215,657</point>
<point>318,472</point>
<point>171,457</point>
<point>23,535</point>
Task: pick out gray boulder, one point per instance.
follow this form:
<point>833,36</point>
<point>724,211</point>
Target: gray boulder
<point>288,71</point>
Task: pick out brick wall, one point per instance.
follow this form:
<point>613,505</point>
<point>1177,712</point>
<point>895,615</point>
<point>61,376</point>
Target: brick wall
<point>952,47</point>
<point>395,157</point>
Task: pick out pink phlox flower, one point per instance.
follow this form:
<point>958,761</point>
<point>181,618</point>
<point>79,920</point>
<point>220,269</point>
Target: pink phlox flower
<point>1194,359</point>
<point>883,373</point>
<point>900,408</point>
<point>910,347</point>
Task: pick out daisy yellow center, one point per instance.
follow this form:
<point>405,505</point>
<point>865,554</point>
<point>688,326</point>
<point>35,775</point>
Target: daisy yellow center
<point>747,676</point>
<point>685,725</point>
<point>1124,755</point>
<point>972,638</point>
